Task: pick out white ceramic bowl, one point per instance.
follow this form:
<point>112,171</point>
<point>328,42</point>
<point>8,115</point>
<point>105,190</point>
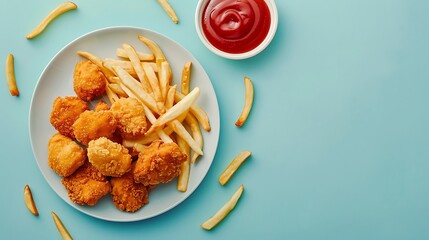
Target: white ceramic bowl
<point>271,32</point>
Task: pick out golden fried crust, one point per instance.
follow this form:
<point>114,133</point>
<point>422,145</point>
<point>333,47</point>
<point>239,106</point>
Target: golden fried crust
<point>64,113</point>
<point>101,106</point>
<point>159,163</point>
<point>89,82</point>
<point>110,158</point>
<point>87,185</point>
<point>129,113</point>
<point>128,195</point>
<point>64,155</point>
<point>92,125</point>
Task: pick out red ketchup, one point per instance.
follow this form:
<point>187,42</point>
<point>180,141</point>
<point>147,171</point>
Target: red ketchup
<point>236,26</point>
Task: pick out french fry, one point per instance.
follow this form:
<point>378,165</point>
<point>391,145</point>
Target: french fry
<point>61,228</point>
<point>135,61</point>
<point>29,201</point>
<point>133,84</point>
<point>129,143</point>
<point>169,10</point>
<point>248,102</point>
<point>142,56</point>
<point>186,77</point>
<point>115,80</point>
<point>116,88</point>
<point>153,47</point>
<point>139,147</point>
<point>97,61</point>
<point>169,101</point>
<point>176,110</point>
<point>164,78</point>
<point>224,211</point>
<point>196,134</point>
<point>126,65</point>
<point>159,54</point>
<point>233,166</point>
<point>178,127</point>
<point>10,76</point>
<point>198,112</point>
<point>154,83</point>
<point>62,8</point>
<point>180,130</point>
<point>113,97</point>
<point>185,168</point>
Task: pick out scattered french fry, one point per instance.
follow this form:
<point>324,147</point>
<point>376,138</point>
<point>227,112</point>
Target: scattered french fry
<point>169,10</point>
<point>61,228</point>
<point>29,201</point>
<point>10,76</point>
<point>198,112</point>
<point>186,77</point>
<point>248,102</point>
<point>233,166</point>
<point>185,168</point>
<point>224,211</point>
<point>196,134</point>
<point>142,56</point>
<point>62,8</point>
<point>176,110</point>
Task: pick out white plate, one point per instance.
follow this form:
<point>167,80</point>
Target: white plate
<point>57,80</point>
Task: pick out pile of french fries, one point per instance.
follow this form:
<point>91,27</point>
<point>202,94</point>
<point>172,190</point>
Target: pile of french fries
<point>148,78</point>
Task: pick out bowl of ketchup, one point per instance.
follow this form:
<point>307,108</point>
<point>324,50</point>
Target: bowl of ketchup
<point>236,29</point>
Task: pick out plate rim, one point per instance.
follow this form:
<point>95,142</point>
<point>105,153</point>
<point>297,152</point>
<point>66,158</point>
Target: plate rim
<point>32,105</point>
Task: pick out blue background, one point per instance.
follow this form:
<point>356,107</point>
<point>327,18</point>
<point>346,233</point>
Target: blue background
<point>339,129</point>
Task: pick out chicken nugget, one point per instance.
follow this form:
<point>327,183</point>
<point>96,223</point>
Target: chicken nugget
<point>128,195</point>
<point>92,125</point>
<point>159,163</point>
<point>110,158</point>
<point>101,106</point>
<point>87,185</point>
<point>64,155</point>
<point>89,82</point>
<point>64,113</point>
<point>129,113</point>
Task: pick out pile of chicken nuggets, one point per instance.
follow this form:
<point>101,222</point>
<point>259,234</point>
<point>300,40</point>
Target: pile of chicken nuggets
<point>87,151</point>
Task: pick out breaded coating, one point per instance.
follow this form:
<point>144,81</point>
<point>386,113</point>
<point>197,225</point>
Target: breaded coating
<point>129,113</point>
<point>64,113</point>
<point>128,195</point>
<point>87,185</point>
<point>101,106</point>
<point>64,155</point>
<point>110,158</point>
<point>159,163</point>
<point>92,125</point>
<point>89,82</point>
